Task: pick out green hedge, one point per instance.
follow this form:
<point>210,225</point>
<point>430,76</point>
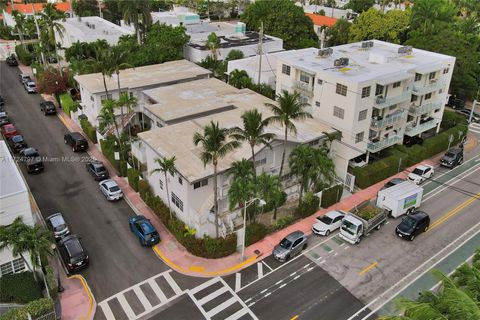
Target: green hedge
<point>331,196</point>
<point>25,56</point>
<point>19,287</point>
<point>133,178</point>
<point>35,308</point>
<point>89,130</point>
<point>67,103</point>
<point>308,206</point>
<point>51,282</point>
<point>283,222</point>
<point>108,149</point>
<point>255,232</point>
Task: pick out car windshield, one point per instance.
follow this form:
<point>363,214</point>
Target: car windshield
<point>101,169</point>
<point>325,219</point>
<point>285,243</point>
<point>114,189</point>
<point>32,154</point>
<point>418,171</point>
<point>17,139</point>
<point>409,222</point>
<point>31,84</point>
<point>349,227</point>
<point>151,235</point>
<point>60,227</point>
<point>449,155</point>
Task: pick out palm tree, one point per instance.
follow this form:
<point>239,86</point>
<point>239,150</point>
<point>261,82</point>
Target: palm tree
<point>20,24</point>
<point>107,115</point>
<point>37,241</point>
<point>213,42</point>
<point>253,132</point>
<point>129,102</point>
<point>10,237</point>
<point>166,165</point>
<point>118,57</point>
<point>215,146</point>
<point>138,14</point>
<point>239,79</point>
<point>269,188</point>
<point>50,16</point>
<point>101,63</point>
<point>242,187</point>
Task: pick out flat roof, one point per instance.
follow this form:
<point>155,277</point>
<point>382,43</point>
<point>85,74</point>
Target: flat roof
<point>380,60</point>
<point>221,102</point>
<point>157,74</point>
<point>90,29</point>
<point>11,181</point>
<point>198,41</point>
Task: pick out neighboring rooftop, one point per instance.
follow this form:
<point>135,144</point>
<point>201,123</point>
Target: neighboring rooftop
<point>230,40</point>
<point>321,21</point>
<point>217,101</point>
<point>27,8</point>
<point>381,60</point>
<point>11,181</point>
<point>165,73</point>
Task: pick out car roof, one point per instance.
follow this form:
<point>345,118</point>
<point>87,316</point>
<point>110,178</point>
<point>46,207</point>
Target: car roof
<point>97,164</point>
<point>109,183</point>
<point>333,214</point>
<point>294,235</point>
<point>423,167</point>
<point>417,215</point>
<point>56,219</point>
<point>72,244</point>
<point>76,135</point>
<point>17,137</point>
<point>146,226</point>
<point>455,150</point>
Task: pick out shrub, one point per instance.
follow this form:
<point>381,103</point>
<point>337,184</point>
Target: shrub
<point>144,189</point>
<point>109,147</point>
<point>308,206</point>
<point>25,56</point>
<point>283,222</point>
<point>36,308</point>
<point>255,232</point>
<point>51,282</point>
<point>133,178</point>
<point>331,196</point>
<point>50,81</point>
<point>67,103</point>
<point>89,130</point>
<point>19,288</point>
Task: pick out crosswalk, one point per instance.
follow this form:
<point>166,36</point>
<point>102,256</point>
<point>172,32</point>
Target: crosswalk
<point>474,127</point>
<point>216,300</point>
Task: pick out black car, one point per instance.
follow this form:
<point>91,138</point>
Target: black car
<point>456,103</point>
<point>412,225</point>
<point>72,253</point>
<point>17,143</point>
<point>410,141</point>
<point>392,183</point>
<point>76,141</point>
<point>2,101</point>
<point>4,118</point>
<point>452,158</point>
<point>12,61</point>
<point>33,161</point>
<point>97,170</point>
<point>466,113</point>
<point>48,107</point>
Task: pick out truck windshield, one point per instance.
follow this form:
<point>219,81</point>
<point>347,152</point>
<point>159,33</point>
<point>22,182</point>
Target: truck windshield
<point>349,227</point>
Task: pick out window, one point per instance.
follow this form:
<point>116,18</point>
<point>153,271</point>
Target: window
<point>180,180</point>
<point>317,103</point>
<point>18,265</point>
<point>6,268</point>
<point>14,266</point>
<point>304,77</point>
<point>91,98</point>
<point>341,89</point>
<point>338,112</point>
<point>177,201</point>
<point>414,98</point>
<point>362,115</point>
<point>428,96</point>
<point>320,81</point>
<point>131,94</point>
<point>260,162</point>
<point>201,183</point>
<point>105,97</point>
<point>285,69</point>
<point>366,92</point>
<point>160,183</point>
<point>446,70</point>
<point>359,137</point>
<point>396,84</point>
<point>378,90</point>
<point>431,75</point>
<point>418,77</point>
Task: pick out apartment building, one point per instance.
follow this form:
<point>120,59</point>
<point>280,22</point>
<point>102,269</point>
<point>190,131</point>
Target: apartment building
<point>374,92</point>
<point>14,202</point>
<point>179,111</point>
<point>28,10</point>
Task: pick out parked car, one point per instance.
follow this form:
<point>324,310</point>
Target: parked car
<point>56,223</point>
<point>30,86</point>
<point>452,158</point>
<point>111,190</point>
<point>328,223</point>
<point>466,114</point>
<point>47,107</point>
<point>412,225</point>
<point>144,230</point>
<point>410,141</point>
<point>24,78</point>
<point>97,170</point>
<point>17,143</point>
<point>392,183</point>
<point>359,161</point>
<point>12,60</point>
<point>8,130</point>
<point>72,253</point>
<point>2,101</point>
<point>456,103</point>
<point>290,246</point>
<point>421,173</point>
<point>33,161</point>
<point>76,141</point>
<point>4,118</point>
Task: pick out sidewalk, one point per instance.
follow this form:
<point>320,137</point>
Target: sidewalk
<point>77,301</point>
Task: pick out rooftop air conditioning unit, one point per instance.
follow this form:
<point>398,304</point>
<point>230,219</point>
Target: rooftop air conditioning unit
<point>342,62</point>
<point>325,52</point>
<point>404,50</point>
<point>367,44</point>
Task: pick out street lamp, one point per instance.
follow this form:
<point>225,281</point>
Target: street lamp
<point>261,202</point>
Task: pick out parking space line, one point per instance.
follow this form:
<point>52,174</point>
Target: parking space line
<point>260,269</point>
<point>266,265</point>
<point>370,267</point>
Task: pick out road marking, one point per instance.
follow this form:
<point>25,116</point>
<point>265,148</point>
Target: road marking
<point>212,295</point>
<point>106,310</point>
<point>172,283</point>
<point>260,269</point>
<point>238,281</point>
<point>126,307</point>
<point>264,290</point>
<point>266,265</point>
<point>267,294</point>
<point>143,299</point>
<point>161,296</point>
<point>296,277</point>
<point>294,318</point>
<point>370,267</point>
<point>293,273</point>
<point>283,285</point>
<point>454,211</point>
<point>278,282</point>
<point>237,315</point>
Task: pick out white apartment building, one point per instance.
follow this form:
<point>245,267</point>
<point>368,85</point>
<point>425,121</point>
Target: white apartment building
<point>14,202</point>
<point>134,81</point>
<point>177,112</point>
<point>374,92</point>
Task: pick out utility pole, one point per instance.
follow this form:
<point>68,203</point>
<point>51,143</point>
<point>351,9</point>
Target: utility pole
<point>38,32</point>
<point>260,52</point>
<point>100,9</point>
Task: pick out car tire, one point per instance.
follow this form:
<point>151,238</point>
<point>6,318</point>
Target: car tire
<point>327,233</point>
<point>305,245</point>
<point>65,141</point>
<point>412,237</point>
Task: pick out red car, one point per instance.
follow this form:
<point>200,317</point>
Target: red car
<point>9,131</point>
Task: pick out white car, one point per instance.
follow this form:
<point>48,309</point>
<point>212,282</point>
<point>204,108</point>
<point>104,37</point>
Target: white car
<point>421,173</point>
<point>111,190</point>
<point>328,223</point>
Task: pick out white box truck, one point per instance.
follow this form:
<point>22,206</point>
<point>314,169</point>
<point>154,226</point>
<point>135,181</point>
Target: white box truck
<point>400,199</point>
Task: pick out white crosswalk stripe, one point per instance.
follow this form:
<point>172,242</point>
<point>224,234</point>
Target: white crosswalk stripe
<point>474,127</point>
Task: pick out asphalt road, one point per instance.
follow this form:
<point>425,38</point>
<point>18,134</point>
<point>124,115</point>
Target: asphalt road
<point>117,260</point>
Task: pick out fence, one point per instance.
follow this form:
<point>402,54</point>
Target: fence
<point>347,179</point>
<point>49,316</point>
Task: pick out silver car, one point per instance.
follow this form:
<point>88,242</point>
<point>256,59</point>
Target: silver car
<point>111,190</point>
<point>57,224</point>
<point>30,86</point>
<point>290,246</point>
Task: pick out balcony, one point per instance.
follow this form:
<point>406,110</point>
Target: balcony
<point>429,86</point>
<point>412,130</point>
<point>382,144</point>
<point>381,103</point>
<point>303,87</point>
<point>419,110</point>
<point>389,120</point>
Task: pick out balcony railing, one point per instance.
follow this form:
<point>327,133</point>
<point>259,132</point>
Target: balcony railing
<point>412,130</point>
<point>389,120</point>
<point>430,86</point>
<point>381,102</point>
<point>382,144</point>
<point>304,87</point>
<point>418,110</point>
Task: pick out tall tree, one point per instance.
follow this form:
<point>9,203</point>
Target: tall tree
<point>359,6</point>
<point>138,14</point>
<point>242,187</point>
<point>50,18</point>
<point>10,237</point>
<point>37,241</point>
<point>426,15</point>
<point>118,58</point>
<point>166,165</point>
<point>213,43</point>
<point>85,8</point>
<point>215,146</point>
<point>269,188</point>
<point>19,25</point>
<point>101,63</point>
<point>339,33</point>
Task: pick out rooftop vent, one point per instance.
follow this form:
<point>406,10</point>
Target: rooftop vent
<point>90,25</point>
<point>367,44</point>
<point>342,62</point>
<point>325,52</point>
<point>405,50</point>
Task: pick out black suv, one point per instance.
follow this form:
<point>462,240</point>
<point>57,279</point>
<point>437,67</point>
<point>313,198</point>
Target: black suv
<point>452,158</point>
<point>33,161</point>
<point>412,225</point>
<point>411,141</point>
<point>72,253</point>
<point>17,143</point>
<point>97,170</point>
<point>76,141</point>
<point>456,103</point>
<point>48,107</point>
<point>12,61</point>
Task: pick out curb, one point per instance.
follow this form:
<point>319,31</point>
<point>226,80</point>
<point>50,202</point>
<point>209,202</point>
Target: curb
<point>91,299</point>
